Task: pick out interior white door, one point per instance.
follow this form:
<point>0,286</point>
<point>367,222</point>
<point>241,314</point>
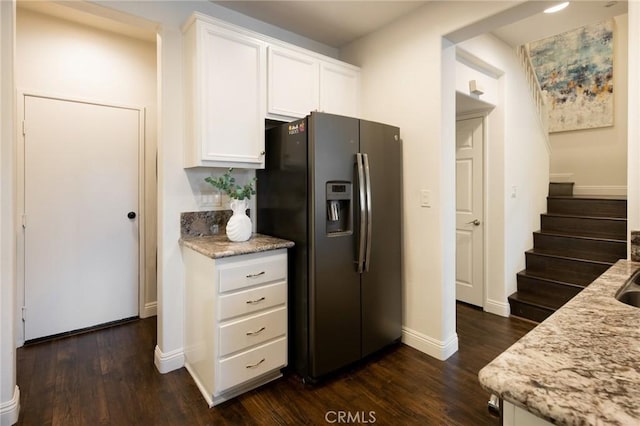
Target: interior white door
<point>469,211</point>
<point>81,183</point>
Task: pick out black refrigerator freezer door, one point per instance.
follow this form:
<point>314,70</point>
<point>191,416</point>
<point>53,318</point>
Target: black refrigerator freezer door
<point>334,292</point>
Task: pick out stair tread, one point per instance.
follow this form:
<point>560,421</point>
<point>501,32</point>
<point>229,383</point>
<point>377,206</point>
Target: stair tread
<point>617,219</point>
<point>526,273</point>
<point>557,233</point>
<point>554,253</point>
<point>591,197</point>
<point>535,300</point>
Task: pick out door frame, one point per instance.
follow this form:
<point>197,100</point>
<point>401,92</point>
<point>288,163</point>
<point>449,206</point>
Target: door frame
<point>484,115</point>
<point>20,198</point>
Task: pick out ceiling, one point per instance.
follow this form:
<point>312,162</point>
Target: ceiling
<point>337,23</point>
<point>334,23</point>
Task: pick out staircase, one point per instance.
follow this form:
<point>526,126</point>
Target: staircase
<point>579,239</point>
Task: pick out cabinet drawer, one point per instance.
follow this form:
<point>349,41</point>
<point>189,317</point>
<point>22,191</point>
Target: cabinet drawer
<point>238,335</point>
<point>245,366</point>
<point>252,300</point>
<point>253,271</point>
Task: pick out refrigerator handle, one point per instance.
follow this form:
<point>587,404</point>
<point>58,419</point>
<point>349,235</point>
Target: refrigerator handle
<point>361,205</point>
<point>369,212</point>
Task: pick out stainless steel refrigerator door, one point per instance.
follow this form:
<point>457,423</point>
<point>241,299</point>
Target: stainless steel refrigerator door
<point>334,292</point>
<point>382,283</point>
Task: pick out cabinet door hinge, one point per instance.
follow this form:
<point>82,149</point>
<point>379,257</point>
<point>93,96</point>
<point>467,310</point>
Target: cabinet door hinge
<point>24,128</point>
<point>24,313</point>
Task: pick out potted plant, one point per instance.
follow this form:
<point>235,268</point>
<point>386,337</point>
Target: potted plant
<point>239,225</point>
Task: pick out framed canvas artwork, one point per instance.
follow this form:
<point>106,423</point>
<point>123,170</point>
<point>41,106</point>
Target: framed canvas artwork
<point>575,72</point>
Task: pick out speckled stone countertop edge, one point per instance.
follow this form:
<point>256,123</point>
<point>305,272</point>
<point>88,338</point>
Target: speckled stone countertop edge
<point>219,246</point>
<point>581,366</point>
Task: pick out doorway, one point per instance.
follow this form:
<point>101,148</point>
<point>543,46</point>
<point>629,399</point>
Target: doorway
<point>470,210</point>
<point>77,58</point>
<point>81,214</point>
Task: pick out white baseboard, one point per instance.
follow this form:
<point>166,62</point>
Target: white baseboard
<point>207,396</point>
<point>10,410</point>
<point>561,177</point>
<point>166,362</point>
<point>498,308</point>
<point>428,345</point>
<point>150,310</point>
<point>615,190</point>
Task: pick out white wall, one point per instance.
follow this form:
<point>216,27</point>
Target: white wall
<point>9,392</point>
<point>63,58</point>
<point>404,67</point>
<point>596,159</point>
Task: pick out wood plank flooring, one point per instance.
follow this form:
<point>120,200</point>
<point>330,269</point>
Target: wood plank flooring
<point>107,377</point>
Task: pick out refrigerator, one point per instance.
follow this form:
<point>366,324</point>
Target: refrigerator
<point>333,185</point>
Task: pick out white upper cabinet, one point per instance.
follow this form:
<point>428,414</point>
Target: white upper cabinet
<point>293,82</point>
<point>340,89</point>
<point>226,85</point>
<point>299,83</point>
<point>227,72</point>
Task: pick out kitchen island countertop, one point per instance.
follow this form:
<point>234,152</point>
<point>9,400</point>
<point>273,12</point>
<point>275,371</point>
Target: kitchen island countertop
<point>217,246</point>
<point>581,366</point>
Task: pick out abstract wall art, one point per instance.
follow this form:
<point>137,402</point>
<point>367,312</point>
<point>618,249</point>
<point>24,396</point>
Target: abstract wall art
<point>575,72</point>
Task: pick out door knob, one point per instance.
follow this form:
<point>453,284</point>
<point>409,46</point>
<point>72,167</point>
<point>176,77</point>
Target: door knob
<point>131,215</point>
<point>474,222</point>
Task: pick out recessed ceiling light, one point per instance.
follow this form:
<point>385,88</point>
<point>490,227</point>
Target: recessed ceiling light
<point>557,8</point>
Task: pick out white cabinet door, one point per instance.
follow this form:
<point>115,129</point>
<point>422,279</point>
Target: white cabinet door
<point>227,96</point>
<point>293,83</point>
<point>339,89</point>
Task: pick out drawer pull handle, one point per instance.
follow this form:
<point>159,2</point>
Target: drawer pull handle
<point>256,364</point>
<point>252,302</point>
<point>253,333</point>
<point>256,275</point>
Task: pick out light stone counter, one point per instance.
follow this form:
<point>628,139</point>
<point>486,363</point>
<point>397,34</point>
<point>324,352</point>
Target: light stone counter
<point>581,366</point>
<point>217,246</point>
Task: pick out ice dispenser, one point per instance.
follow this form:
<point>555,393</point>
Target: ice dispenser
<point>338,208</point>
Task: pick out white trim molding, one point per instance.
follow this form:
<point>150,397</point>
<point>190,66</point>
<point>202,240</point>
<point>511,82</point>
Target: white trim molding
<point>428,345</point>
<point>561,177</point>
<point>166,362</point>
<point>615,190</point>
<point>497,308</point>
<point>150,310</point>
<point>10,410</point>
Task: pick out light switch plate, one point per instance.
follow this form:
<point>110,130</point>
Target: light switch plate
<point>425,198</point>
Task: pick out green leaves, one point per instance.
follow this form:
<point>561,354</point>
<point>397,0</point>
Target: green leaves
<point>227,184</point>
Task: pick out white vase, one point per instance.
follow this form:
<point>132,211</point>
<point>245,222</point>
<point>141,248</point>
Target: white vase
<point>239,225</point>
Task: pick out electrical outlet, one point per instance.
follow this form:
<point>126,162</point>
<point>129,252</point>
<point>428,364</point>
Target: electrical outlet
<point>210,199</point>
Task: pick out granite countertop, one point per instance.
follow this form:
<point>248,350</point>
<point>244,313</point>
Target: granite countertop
<point>581,366</point>
<point>217,246</point>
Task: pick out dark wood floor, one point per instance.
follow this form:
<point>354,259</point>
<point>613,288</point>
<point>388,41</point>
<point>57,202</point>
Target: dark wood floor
<point>108,377</point>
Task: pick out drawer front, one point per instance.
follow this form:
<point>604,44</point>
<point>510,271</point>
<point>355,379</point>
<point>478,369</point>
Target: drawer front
<point>245,366</point>
<point>253,270</point>
<point>252,300</point>
<point>242,334</point>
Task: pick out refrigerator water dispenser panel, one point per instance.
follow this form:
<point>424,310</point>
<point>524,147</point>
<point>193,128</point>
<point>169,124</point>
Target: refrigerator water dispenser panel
<point>339,200</point>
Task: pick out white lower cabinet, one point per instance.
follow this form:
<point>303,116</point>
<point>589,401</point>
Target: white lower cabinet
<point>235,321</point>
<point>516,416</point>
